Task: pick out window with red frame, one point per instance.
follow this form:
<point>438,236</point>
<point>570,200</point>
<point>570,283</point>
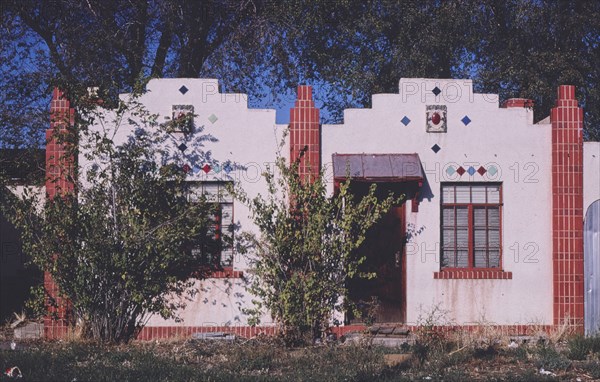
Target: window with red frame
<point>217,251</point>
<point>471,225</point>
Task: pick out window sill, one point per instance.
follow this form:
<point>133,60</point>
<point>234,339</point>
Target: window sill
<point>472,274</point>
<point>226,273</point>
<point>220,273</point>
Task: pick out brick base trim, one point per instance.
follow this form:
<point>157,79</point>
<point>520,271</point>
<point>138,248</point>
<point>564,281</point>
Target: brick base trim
<point>173,332</point>
<point>472,275</point>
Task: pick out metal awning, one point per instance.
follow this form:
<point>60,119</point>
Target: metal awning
<point>378,167</point>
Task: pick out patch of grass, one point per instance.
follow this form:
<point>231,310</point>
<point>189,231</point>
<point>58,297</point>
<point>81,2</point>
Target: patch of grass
<point>580,347</point>
<point>549,358</point>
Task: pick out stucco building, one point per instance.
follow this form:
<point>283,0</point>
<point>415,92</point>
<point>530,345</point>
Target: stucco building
<point>492,227</point>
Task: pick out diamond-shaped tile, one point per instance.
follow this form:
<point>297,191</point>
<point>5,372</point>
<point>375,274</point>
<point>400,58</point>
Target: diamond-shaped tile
<point>217,168</point>
<point>206,168</point>
<point>436,91</point>
<point>182,147</point>
<point>405,121</point>
<point>436,148</point>
<point>186,168</point>
<point>460,171</point>
<point>450,170</point>
<point>471,170</point>
<point>227,168</point>
<point>183,89</point>
<point>481,170</point>
<point>213,118</point>
<point>197,169</point>
<point>492,170</point>
<point>466,120</point>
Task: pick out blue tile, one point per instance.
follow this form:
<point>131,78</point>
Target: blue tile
<point>466,120</point>
<point>405,120</point>
<point>436,148</point>
<point>227,168</point>
<point>183,89</point>
<point>492,170</point>
<point>436,91</point>
<point>450,170</point>
<point>182,147</point>
<point>471,171</point>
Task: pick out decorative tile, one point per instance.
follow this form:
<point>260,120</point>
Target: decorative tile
<point>183,89</point>
<point>213,118</point>
<point>466,120</point>
<point>450,170</point>
<point>436,148</point>
<point>436,91</point>
<point>481,170</point>
<point>492,170</point>
<point>435,119</point>
<point>217,168</point>
<point>405,120</point>
<point>227,168</point>
<point>197,169</point>
<point>206,168</point>
<point>182,147</point>
<point>460,171</point>
<point>471,170</point>
<point>186,168</point>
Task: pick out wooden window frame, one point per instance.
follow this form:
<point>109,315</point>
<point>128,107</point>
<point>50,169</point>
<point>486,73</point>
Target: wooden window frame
<point>218,266</point>
<point>470,227</point>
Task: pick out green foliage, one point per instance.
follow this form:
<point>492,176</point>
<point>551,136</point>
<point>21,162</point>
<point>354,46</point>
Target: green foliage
<point>119,247</point>
<point>580,347</point>
<point>547,357</point>
<point>307,248</point>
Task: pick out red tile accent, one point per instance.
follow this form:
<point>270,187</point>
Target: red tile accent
<point>567,208</point>
<point>305,133</point>
<point>471,274</point>
<point>226,273</point>
<point>60,165</point>
<point>517,102</point>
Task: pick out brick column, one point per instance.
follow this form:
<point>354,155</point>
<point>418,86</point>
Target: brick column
<point>305,133</point>
<point>59,180</point>
<point>567,208</point>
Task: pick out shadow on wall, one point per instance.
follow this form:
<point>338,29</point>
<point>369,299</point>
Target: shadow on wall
<point>16,278</point>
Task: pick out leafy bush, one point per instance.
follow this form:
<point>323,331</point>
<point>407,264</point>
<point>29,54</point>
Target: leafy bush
<point>307,249</point>
<point>120,247</point>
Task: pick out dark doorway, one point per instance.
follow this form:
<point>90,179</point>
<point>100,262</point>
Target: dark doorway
<point>382,299</point>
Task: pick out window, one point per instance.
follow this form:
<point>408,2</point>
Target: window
<point>471,215</point>
<point>217,250</point>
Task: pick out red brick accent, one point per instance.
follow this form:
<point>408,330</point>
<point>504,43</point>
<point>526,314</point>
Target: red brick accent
<point>483,274</point>
<point>164,332</point>
<point>518,102</point>
<point>60,167</point>
<point>305,133</point>
<point>567,208</point>
<point>149,333</point>
<point>225,274</point>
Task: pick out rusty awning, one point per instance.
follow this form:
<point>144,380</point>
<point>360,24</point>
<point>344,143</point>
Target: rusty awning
<point>378,167</point>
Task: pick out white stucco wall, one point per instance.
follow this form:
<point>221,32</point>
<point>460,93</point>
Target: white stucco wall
<point>591,174</point>
<point>505,138</point>
<point>248,138</point>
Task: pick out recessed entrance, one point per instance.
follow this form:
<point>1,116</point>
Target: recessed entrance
<point>383,298</point>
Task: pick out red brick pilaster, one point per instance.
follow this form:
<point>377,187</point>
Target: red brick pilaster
<point>567,208</point>
<point>60,165</point>
<point>305,133</point>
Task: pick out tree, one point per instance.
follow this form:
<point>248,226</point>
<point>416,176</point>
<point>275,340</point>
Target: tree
<point>306,251</point>
<point>121,247</point>
<point>517,48</point>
